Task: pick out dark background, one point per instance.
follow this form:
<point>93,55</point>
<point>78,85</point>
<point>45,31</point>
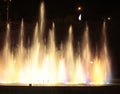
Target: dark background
<point>28,9</point>
<point>92,10</point>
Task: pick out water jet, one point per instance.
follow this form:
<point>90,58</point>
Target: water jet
<point>43,64</point>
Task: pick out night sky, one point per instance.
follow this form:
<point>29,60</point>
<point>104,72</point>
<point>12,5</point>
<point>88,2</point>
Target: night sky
<point>60,8</point>
<point>92,10</point>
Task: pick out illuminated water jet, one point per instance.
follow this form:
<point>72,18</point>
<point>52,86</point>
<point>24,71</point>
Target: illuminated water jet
<point>42,63</point>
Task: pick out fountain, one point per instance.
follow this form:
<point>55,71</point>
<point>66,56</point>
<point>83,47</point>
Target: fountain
<point>43,64</point>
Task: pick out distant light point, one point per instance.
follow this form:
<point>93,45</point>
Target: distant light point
<point>79,8</point>
<point>108,18</point>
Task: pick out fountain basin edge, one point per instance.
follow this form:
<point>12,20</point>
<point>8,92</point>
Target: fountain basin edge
<point>61,89</point>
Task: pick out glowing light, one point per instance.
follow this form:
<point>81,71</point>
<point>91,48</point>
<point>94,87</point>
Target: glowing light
<point>91,62</point>
<point>79,8</point>
<point>109,18</point>
<point>80,16</point>
<point>42,63</point>
<point>98,72</point>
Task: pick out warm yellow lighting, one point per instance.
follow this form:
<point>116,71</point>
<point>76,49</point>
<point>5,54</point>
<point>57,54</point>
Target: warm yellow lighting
<point>79,8</point>
<point>45,64</point>
<point>98,72</point>
<point>91,62</point>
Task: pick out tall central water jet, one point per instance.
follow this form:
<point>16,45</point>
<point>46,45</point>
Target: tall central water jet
<point>42,63</point>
